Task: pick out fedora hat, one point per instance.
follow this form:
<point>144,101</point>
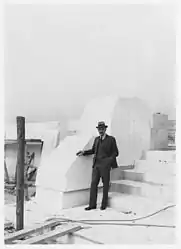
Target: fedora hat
<point>101,124</point>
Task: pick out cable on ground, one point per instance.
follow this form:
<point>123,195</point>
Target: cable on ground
<point>127,220</point>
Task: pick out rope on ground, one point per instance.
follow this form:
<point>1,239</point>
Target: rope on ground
<point>140,218</point>
<point>127,224</point>
<point>102,222</point>
<point>128,220</point>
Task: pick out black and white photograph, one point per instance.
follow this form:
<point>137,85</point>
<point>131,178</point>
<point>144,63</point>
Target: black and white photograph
<point>90,98</point>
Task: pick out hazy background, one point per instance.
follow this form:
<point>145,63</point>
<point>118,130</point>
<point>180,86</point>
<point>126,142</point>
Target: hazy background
<point>57,57</point>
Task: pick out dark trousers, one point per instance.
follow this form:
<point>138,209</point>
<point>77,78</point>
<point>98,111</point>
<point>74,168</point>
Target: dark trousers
<point>97,173</point>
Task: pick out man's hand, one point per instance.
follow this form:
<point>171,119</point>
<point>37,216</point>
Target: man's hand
<point>80,153</point>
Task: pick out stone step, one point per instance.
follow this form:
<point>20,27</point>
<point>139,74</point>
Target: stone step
<point>168,156</point>
<point>146,171</point>
<point>145,165</point>
<point>136,205</point>
<point>150,176</point>
<point>165,192</point>
<point>133,175</point>
<point>118,173</point>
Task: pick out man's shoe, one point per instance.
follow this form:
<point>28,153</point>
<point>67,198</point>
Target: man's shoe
<point>103,208</point>
<point>89,208</point>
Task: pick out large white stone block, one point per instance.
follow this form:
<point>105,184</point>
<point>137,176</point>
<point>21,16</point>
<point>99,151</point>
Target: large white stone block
<point>131,125</point>
<point>129,120</point>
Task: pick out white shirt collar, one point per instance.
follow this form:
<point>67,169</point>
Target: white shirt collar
<point>103,136</point>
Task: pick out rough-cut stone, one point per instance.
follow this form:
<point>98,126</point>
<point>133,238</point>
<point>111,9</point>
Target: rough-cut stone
<point>160,121</point>
<point>129,120</point>
<point>159,139</point>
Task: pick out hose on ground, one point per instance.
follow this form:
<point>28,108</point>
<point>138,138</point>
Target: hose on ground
<point>125,220</point>
<point>102,222</point>
<point>128,224</point>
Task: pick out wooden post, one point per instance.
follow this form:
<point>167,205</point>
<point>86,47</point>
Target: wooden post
<point>20,173</point>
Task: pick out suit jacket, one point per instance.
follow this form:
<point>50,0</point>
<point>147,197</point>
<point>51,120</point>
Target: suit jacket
<point>111,151</point>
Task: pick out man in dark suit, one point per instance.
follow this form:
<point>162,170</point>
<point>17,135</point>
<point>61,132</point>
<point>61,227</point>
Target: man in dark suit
<point>105,152</point>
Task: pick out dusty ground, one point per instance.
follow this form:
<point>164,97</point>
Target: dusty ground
<point>138,233</point>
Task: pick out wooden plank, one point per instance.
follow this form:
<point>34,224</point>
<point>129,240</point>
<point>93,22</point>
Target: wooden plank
<point>14,141</point>
<point>10,185</point>
<point>13,185</point>
<point>59,232</point>
<point>29,231</point>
